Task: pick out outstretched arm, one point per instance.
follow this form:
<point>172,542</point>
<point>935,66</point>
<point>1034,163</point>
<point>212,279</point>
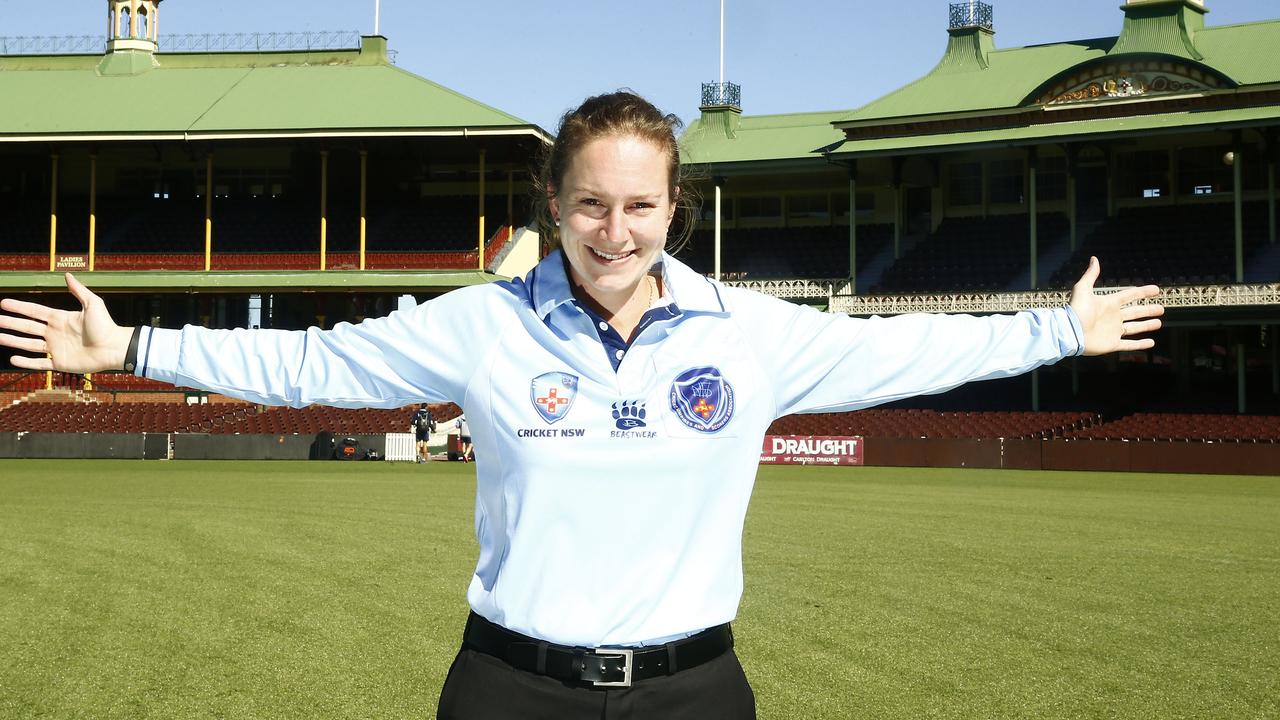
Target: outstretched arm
<point>82,341</point>
<point>389,361</point>
<point>1110,320</point>
<point>829,362</point>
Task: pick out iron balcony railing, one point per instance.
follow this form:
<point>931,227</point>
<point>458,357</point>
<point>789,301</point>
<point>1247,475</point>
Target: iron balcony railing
<point>208,42</point>
<point>52,45</point>
<point>971,14</point>
<point>721,95</point>
<point>262,42</point>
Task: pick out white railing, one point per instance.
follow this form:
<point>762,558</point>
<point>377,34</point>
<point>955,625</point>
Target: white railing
<point>1172,297</point>
<point>840,300</point>
<point>796,289</point>
<point>401,447</point>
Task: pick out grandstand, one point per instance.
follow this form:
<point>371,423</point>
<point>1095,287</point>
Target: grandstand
<point>301,159</point>
<point>925,424</point>
<point>307,186</point>
<point>985,185</point>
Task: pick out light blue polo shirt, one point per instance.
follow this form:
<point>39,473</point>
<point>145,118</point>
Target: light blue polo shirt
<point>610,500</point>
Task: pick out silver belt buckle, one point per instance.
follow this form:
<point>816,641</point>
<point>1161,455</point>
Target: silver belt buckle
<point>623,653</point>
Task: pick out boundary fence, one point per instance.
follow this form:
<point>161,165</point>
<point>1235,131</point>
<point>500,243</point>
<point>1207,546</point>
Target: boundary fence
<point>1155,456</point>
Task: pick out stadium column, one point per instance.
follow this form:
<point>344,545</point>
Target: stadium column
<point>511,202</point>
<point>1071,194</point>
<point>1035,390</point>
<point>364,191</point>
<point>53,215</point>
<point>480,245</point>
<point>208,211</point>
<point>985,174</point>
<point>1032,163</point>
<point>1111,182</point>
<point>1241,404</point>
<point>324,208</point>
<point>853,227</point>
<point>93,207</point>
<point>1271,189</point>
<point>1238,196</point>
<point>53,239</point>
<point>719,184</point>
<point>897,207</point>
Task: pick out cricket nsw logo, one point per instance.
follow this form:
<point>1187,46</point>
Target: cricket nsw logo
<point>552,394</point>
<point>702,399</point>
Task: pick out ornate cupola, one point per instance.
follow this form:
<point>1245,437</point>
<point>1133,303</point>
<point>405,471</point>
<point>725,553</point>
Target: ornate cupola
<point>133,25</point>
<point>1166,27</point>
<point>722,106</point>
<point>972,37</point>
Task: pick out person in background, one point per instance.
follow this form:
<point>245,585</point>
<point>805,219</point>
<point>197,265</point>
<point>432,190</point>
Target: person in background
<point>423,426</point>
<point>464,436</point>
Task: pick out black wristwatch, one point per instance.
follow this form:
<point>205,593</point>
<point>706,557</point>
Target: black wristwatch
<point>131,355</point>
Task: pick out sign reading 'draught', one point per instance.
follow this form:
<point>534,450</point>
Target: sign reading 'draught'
<point>811,450</point>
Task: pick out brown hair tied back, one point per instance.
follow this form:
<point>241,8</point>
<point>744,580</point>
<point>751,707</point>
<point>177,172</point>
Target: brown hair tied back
<point>621,113</point>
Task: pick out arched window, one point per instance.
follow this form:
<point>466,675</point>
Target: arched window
<point>142,22</point>
<point>124,23</point>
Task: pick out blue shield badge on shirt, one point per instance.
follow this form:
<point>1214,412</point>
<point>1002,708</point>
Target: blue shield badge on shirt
<point>552,394</point>
<point>702,399</point>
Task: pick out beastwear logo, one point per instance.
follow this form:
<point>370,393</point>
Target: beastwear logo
<point>552,394</point>
<point>628,414</point>
<point>702,399</point>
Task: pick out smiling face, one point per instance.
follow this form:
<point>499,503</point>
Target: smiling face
<point>614,207</point>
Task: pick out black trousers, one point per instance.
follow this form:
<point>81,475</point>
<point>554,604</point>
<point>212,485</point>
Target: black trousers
<point>482,687</point>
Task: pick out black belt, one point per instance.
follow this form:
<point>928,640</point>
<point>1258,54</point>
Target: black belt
<point>596,667</point>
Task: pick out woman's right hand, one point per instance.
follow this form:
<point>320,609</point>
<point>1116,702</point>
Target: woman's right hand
<point>82,341</point>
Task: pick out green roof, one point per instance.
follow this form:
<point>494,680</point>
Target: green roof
<point>970,78</point>
<point>759,137</point>
<point>1245,53</point>
<point>133,94</point>
<point>1009,77</point>
<point>1075,130</point>
<point>973,77</point>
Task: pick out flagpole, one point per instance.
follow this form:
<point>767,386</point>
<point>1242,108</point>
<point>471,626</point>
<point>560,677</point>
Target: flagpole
<point>722,45</point>
<point>377,16</point>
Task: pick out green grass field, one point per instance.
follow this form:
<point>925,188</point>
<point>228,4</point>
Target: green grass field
<point>301,590</point>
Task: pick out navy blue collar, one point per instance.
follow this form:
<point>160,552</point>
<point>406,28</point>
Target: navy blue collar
<point>687,290</point>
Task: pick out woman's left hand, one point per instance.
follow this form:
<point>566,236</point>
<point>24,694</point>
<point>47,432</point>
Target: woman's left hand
<point>1110,320</point>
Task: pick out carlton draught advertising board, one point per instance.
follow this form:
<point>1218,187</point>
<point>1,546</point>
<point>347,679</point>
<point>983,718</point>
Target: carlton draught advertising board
<point>811,450</point>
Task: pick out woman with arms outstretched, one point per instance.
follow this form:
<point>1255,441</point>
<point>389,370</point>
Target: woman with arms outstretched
<point>618,400</point>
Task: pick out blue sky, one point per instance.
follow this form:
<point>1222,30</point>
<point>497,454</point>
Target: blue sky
<point>536,59</point>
